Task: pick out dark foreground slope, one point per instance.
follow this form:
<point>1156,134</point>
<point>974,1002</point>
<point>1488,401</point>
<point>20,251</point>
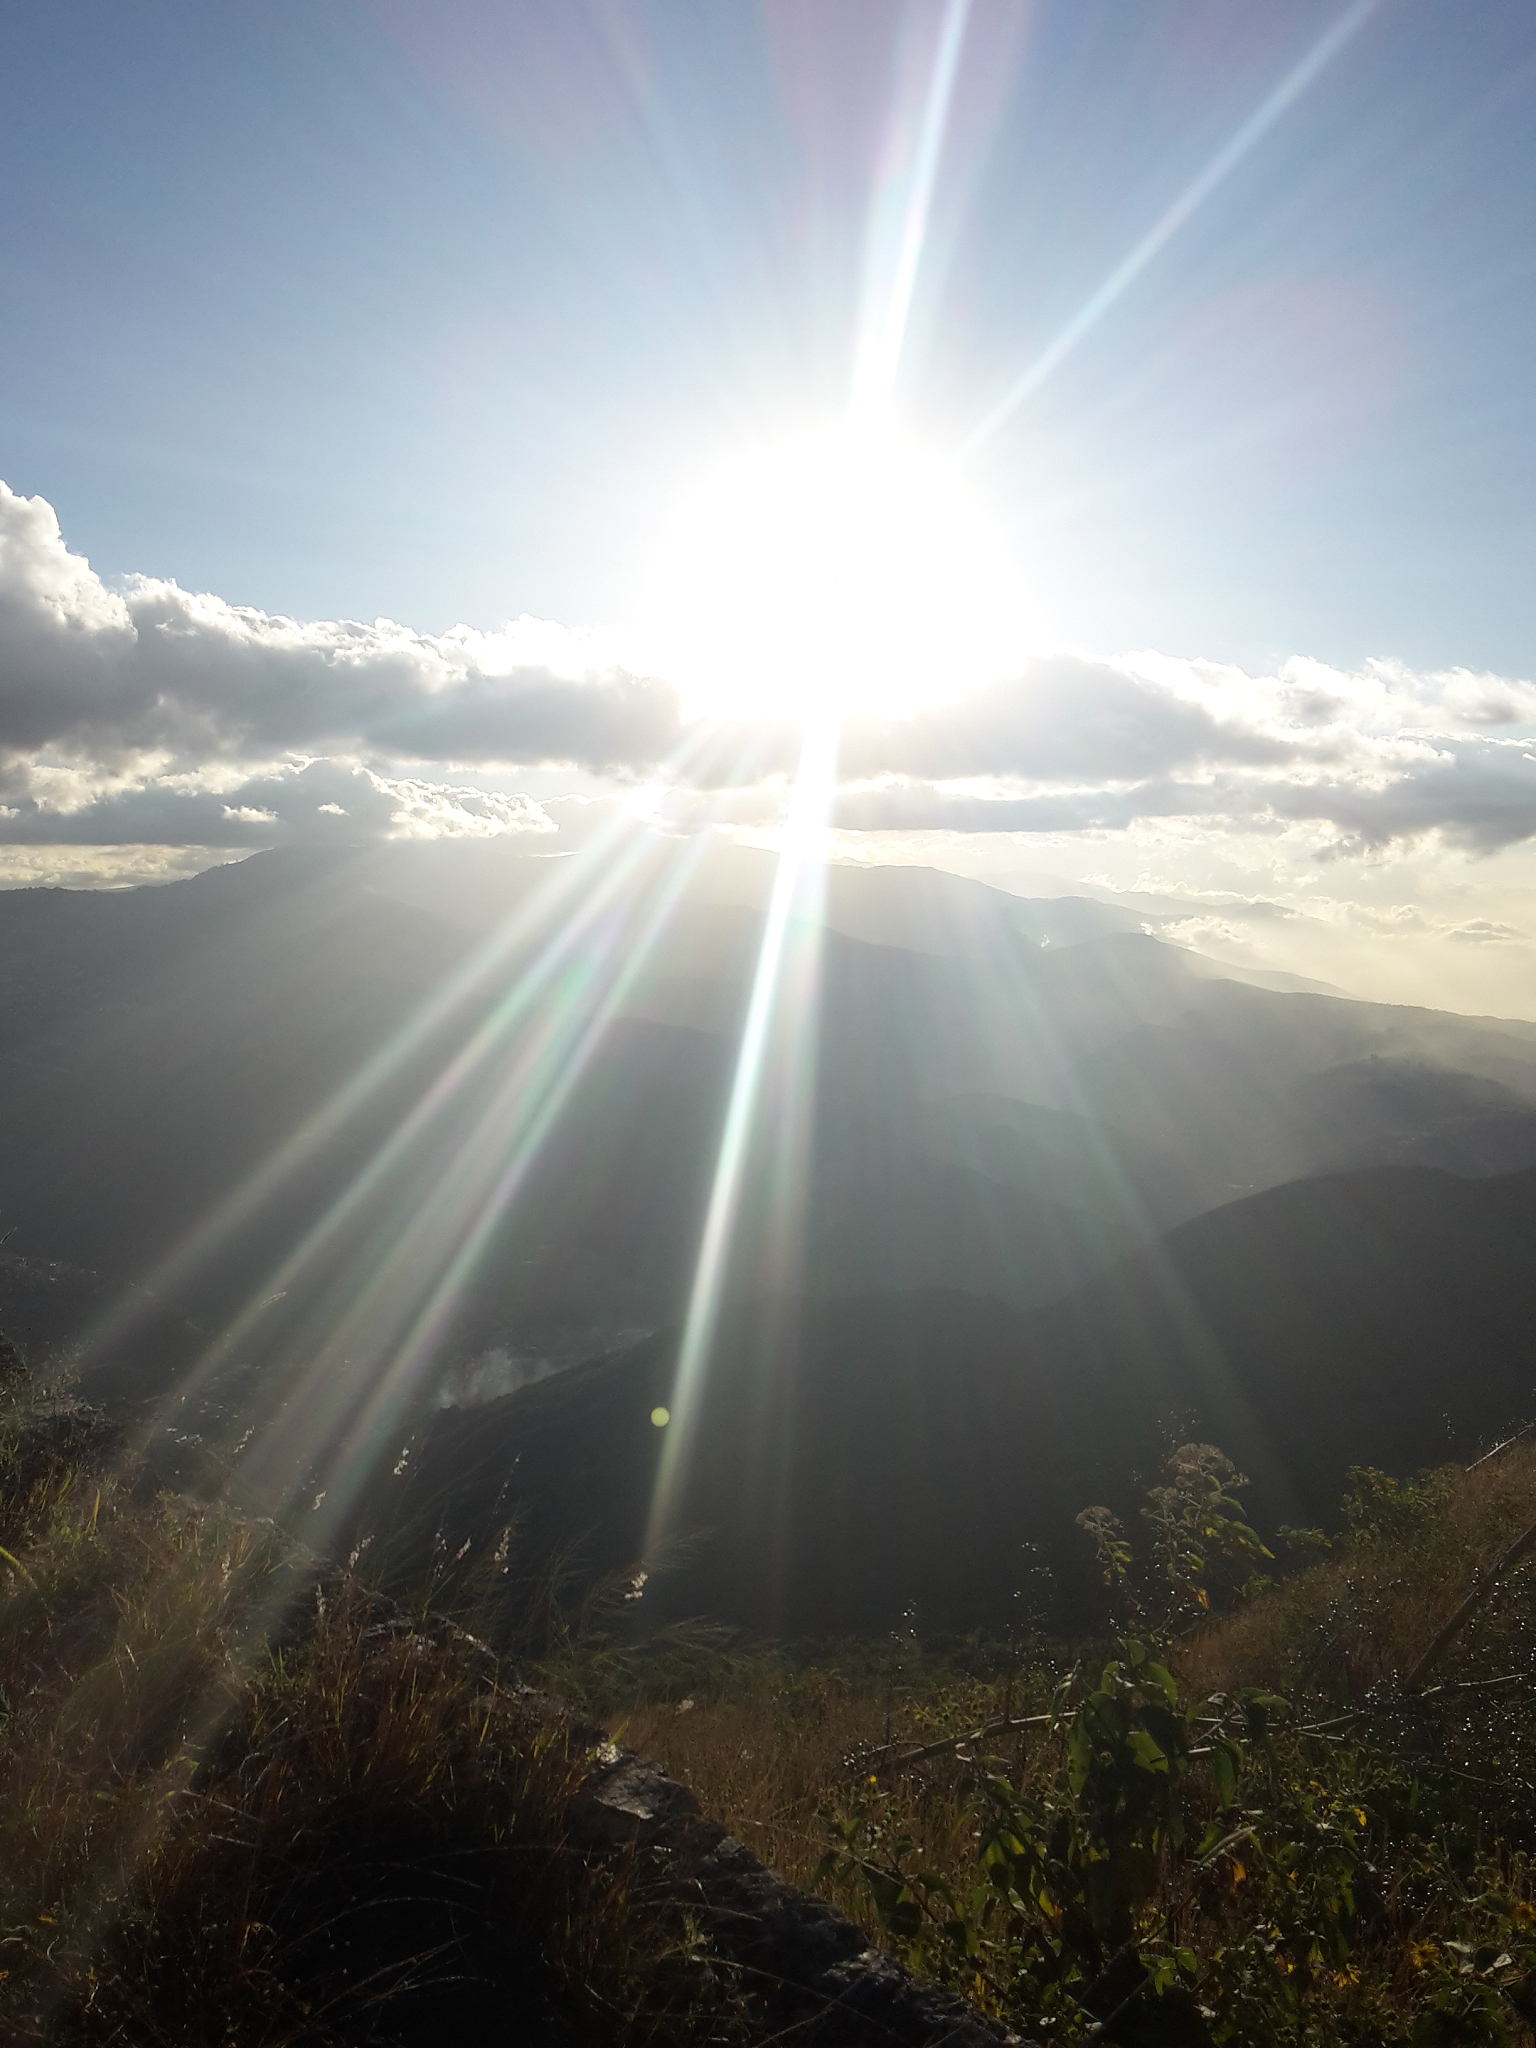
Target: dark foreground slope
<point>244,1800</point>
<point>850,1458</point>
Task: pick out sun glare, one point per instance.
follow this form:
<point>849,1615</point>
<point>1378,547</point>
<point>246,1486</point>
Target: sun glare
<point>843,572</point>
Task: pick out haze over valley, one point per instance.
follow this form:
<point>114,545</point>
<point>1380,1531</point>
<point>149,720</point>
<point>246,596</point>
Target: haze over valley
<point>1009,1147</point>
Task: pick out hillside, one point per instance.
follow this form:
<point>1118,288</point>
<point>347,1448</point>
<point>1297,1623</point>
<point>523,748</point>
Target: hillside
<point>246,1796</point>
<point>858,1457</point>
<point>273,1082</point>
<point>245,1799</point>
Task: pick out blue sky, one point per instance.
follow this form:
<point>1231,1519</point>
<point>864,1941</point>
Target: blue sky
<point>345,310</point>
<point>318,314</point>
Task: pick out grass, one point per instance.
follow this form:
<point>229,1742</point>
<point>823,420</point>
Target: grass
<point>1362,1873</point>
<point>1358,1616</point>
<point>775,1741</point>
<point>240,1805</point>
<point>246,1801</point>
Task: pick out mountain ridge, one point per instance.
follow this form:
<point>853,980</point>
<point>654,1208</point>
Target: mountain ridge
<point>199,1083</point>
<point>856,1455</point>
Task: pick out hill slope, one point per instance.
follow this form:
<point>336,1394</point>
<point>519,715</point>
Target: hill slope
<point>998,1096</point>
<point>854,1457</point>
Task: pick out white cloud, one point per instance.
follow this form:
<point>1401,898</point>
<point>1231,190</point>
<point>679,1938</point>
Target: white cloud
<point>154,716</point>
<point>87,671</point>
<point>105,867</point>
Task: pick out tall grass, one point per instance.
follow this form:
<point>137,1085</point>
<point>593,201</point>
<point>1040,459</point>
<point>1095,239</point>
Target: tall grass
<point>241,1803</point>
<point>1362,1873</point>
<point>247,1801</point>
<point>1358,1617</point>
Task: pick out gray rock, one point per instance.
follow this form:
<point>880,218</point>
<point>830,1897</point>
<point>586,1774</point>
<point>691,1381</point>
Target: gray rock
<point>820,1983</point>
<point>628,1799</point>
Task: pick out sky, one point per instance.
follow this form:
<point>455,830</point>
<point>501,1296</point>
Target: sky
<point>1120,411</point>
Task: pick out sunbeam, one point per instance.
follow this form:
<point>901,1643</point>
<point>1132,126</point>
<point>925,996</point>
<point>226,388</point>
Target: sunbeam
<point>362,1371</point>
<point>487,998</point>
<point>883,555</point>
<point>389,1253</point>
<point>510,1078</point>
<point>1162,231</point>
<point>794,896</point>
<point>270,1180</point>
<point>899,224</point>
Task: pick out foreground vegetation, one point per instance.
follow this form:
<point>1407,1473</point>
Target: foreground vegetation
<point>1262,1827</point>
<point>1283,1800</point>
<point>241,1803</point>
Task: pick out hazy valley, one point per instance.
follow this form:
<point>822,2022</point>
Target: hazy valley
<point>1060,1191</point>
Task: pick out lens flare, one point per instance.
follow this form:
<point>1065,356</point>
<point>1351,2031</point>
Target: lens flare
<point>794,911</point>
<point>1189,201</point>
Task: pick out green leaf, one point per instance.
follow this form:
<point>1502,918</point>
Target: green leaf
<point>1158,1675</point>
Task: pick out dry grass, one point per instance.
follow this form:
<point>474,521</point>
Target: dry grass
<point>772,1758</point>
<point>1439,1797</point>
<point>1359,1618</point>
<point>765,1763</point>
<point>238,1807</point>
<point>775,1749</point>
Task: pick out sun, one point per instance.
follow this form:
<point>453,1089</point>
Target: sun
<point>844,571</point>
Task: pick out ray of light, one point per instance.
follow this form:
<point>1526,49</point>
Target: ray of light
<point>375,1353</point>
<point>559,911</point>
<point>267,1181</point>
<point>800,862</point>
<point>527,1051</point>
<point>899,225</point>
<point>587,965</point>
<point>506,1014</point>
<point>779,1029</point>
<point>1195,193</point>
<point>516,1073</point>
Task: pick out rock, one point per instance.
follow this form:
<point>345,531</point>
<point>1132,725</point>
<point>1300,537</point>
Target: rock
<point>628,1799</point>
<point>812,1970</point>
<point>816,1971</point>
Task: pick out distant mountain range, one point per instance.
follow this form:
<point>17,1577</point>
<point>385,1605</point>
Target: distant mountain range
<point>461,1106</point>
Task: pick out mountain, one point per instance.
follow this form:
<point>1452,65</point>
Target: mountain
<point>855,1459</point>
<point>478,1093</point>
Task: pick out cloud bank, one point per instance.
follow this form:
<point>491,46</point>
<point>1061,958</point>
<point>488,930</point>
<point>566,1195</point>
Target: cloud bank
<point>145,715</point>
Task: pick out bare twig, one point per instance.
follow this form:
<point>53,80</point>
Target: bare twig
<point>1432,1692</point>
<point>1521,1546</point>
<point>917,1756</point>
<point>1519,1436</point>
<point>1227,1842</point>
